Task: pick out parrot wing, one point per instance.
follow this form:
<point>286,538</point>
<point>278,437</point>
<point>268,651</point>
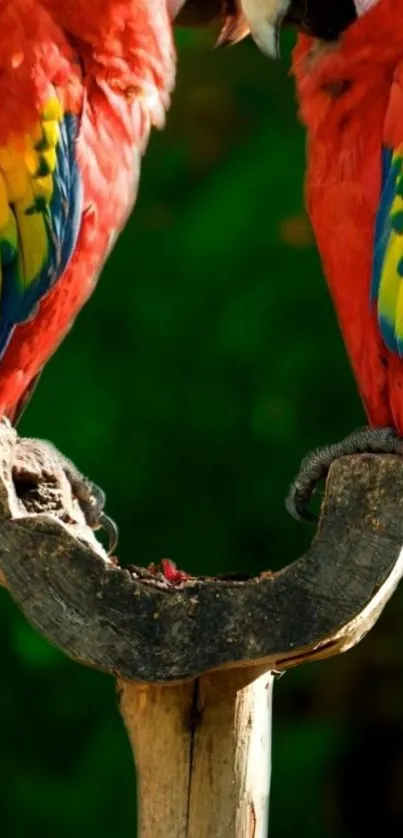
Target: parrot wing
<point>40,213</point>
<point>387,279</point>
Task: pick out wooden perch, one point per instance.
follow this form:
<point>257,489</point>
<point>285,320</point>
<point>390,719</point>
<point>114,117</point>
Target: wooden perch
<point>192,661</point>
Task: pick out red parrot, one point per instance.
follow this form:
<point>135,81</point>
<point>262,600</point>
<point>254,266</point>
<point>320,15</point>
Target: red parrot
<point>348,67</point>
<point>81,84</point>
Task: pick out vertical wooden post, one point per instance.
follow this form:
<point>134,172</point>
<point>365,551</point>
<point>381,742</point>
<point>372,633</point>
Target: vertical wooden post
<point>202,752</point>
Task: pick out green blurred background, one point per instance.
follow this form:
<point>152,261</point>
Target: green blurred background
<point>206,365</point>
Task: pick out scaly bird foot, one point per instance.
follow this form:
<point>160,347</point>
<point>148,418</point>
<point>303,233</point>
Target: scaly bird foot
<point>90,497</point>
<point>315,466</point>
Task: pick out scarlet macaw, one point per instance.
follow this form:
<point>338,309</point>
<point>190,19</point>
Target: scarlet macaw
<point>348,67</point>
<point>81,84</point>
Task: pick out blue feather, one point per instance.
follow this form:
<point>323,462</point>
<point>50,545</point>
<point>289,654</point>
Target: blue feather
<point>382,228</point>
<point>62,216</point>
<point>387,275</point>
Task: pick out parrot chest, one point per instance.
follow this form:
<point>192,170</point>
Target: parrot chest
<point>343,186</point>
<point>353,111</point>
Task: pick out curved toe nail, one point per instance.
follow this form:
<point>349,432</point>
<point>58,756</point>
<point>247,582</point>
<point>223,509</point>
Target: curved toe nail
<point>112,531</point>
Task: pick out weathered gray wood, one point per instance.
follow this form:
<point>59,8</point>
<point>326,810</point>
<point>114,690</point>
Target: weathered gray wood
<point>140,629</point>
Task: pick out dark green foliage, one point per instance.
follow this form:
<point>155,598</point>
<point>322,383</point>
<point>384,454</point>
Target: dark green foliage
<point>207,363</point>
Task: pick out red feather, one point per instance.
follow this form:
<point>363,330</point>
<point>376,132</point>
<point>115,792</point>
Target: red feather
<point>351,99</point>
<point>114,61</point>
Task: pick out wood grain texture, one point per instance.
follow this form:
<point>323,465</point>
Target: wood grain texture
<point>202,752</point>
<point>141,629</point>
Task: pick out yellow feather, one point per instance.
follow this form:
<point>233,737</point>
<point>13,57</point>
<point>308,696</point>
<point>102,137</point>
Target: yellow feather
<point>52,110</point>
<point>9,240</point>
<point>33,239</point>
<point>27,201</point>
<point>33,245</point>
<point>31,160</point>
<point>9,232</point>
<point>397,205</point>
<point>43,187</point>
<point>26,232</point>
<point>399,314</point>
<point>390,279</point>
<point>51,133</point>
<point>36,134</point>
<point>50,159</point>
<point>9,158</point>
<point>17,182</point>
<point>4,205</point>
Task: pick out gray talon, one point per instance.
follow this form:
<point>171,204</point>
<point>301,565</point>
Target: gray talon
<point>92,502</point>
<point>111,529</point>
<point>89,496</point>
<point>316,465</point>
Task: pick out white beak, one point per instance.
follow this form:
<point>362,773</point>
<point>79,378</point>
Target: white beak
<point>174,7</point>
<point>363,6</point>
<point>264,18</point>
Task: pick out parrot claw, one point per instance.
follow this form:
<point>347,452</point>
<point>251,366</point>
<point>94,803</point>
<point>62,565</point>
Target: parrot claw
<point>89,496</point>
<point>315,466</point>
<point>111,528</point>
<point>92,500</point>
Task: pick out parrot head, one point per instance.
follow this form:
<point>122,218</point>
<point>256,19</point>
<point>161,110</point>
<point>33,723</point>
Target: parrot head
<point>324,20</point>
<point>263,19</point>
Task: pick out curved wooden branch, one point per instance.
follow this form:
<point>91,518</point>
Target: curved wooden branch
<point>193,660</point>
<point>137,627</point>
